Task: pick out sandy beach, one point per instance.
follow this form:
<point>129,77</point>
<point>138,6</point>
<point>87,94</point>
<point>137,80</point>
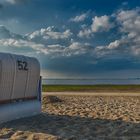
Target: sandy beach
<point>79,118</point>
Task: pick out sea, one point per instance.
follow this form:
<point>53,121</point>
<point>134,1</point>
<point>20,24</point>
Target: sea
<point>129,81</point>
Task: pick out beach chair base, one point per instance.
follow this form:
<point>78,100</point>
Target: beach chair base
<point>18,110</point>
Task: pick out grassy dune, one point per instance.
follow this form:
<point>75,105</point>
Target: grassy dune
<point>91,88</point>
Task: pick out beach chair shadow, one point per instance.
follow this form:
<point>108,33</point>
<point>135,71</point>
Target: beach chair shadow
<point>74,127</point>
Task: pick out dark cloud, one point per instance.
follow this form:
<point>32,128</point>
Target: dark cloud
<point>86,65</point>
<point>1,6</point>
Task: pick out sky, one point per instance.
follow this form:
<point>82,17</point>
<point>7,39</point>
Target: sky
<point>74,38</point>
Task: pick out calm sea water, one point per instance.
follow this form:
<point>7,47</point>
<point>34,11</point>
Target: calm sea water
<point>90,81</point>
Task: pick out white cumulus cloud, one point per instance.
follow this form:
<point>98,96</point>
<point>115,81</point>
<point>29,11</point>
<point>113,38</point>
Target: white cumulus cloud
<point>101,24</point>
<point>79,18</point>
<point>49,33</point>
<point>57,43</point>
<point>85,33</point>
<point>129,21</point>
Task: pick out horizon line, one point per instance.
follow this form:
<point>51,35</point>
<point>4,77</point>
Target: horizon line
<point>91,78</point>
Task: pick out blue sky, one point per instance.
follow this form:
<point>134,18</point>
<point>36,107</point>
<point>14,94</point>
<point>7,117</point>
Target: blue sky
<point>74,38</point>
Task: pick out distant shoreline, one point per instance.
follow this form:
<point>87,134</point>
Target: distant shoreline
<point>90,78</point>
<point>101,81</point>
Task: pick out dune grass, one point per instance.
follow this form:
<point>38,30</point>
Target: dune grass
<point>91,88</point>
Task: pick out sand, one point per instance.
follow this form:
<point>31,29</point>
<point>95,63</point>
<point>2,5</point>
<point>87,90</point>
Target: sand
<point>79,118</point>
<point>93,93</point>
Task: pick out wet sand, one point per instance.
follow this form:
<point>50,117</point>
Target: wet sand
<point>79,118</point>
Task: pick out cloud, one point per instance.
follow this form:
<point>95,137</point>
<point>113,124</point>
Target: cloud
<point>79,18</point>
<point>11,1</point>
<point>114,44</point>
<point>54,51</point>
<point>20,43</point>
<point>129,21</point>
<point>49,34</point>
<point>74,49</point>
<point>102,40</point>
<point>115,49</point>
<point>57,43</point>
<point>16,1</point>
<point>1,6</point>
<point>129,42</point>
<point>9,39</point>
<point>100,24</point>
<point>5,33</point>
<point>85,33</point>
<point>77,48</point>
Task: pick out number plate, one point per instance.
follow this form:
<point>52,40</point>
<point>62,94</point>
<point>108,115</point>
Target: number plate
<point>22,65</point>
